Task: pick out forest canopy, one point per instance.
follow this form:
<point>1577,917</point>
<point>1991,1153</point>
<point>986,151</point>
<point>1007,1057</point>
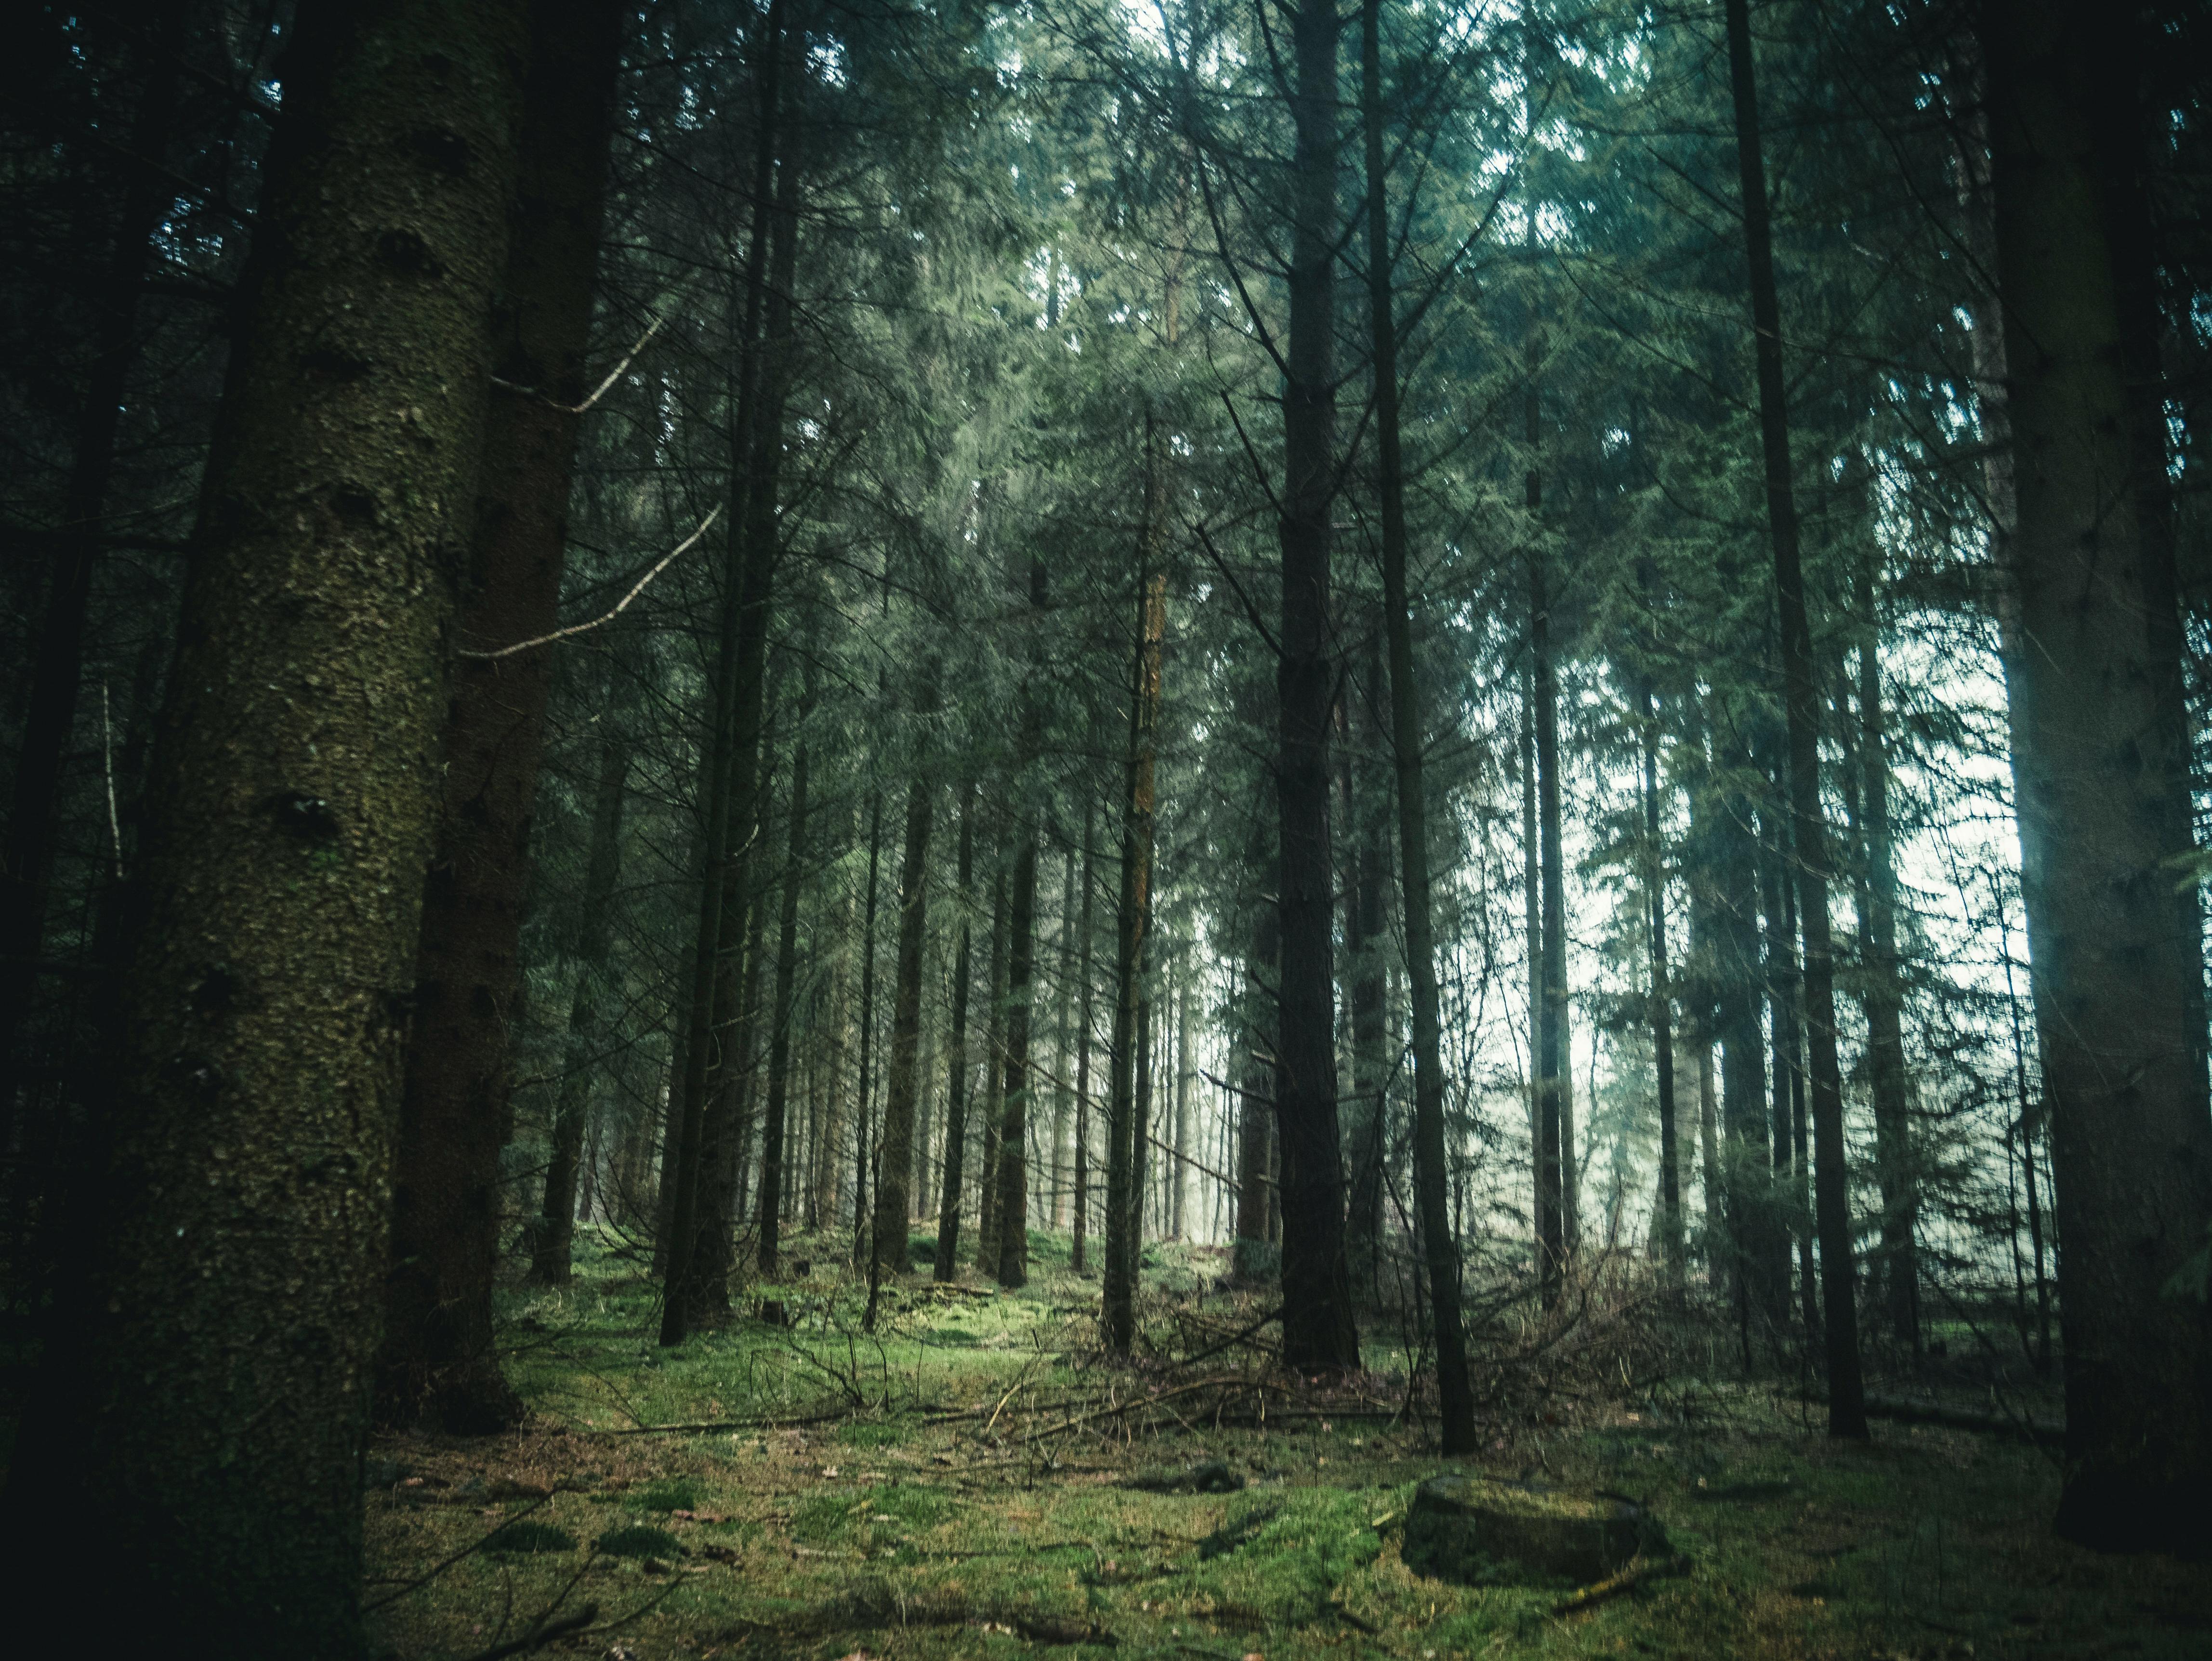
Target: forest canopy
<point>1469,714</point>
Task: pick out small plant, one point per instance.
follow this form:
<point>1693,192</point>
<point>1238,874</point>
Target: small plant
<point>529,1535</point>
<point>680,1494</point>
<point>639,1540</point>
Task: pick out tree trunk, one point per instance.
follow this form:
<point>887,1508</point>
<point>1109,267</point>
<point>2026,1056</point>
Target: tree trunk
<point>1554,1116</point>
<point>863,1252</point>
<point>1439,1250</point>
<point>1663,1007</point>
<point>26,860</point>
<point>2103,799</point>
<point>732,757</point>
<point>438,1362</point>
<point>1367,942</point>
<point>206,1398</point>
<point>897,1174</point>
<point>1319,1333</point>
<point>1882,999</point>
<point>1083,1029</point>
<point>994,1038</point>
<point>1831,1178</point>
<point>1013,1267</point>
<point>956,1106</point>
<point>1133,916</point>
<point>556,1220</point>
<point>1061,1058</point>
<point>1179,1185</point>
<point>769,1217</point>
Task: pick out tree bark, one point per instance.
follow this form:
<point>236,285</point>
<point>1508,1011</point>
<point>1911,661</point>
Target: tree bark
<point>1319,1333</point>
<point>956,1106</point>
<point>995,1037</point>
<point>862,1251</point>
<point>1882,999</point>
<point>1439,1248</point>
<point>1012,1268</point>
<point>1555,1151</point>
<point>2103,800</point>
<point>206,1399</point>
<point>732,769</point>
<point>1083,1029</point>
<point>769,1216</point>
<point>438,1362</point>
<point>1831,1178</point>
<point>1133,916</point>
<point>890,1249</point>
<point>1663,1006</point>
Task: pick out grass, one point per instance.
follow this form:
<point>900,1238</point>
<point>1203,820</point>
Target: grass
<point>896,1497</point>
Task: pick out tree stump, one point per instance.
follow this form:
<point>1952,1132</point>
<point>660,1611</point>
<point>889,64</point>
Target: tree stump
<point>1478,1531</point>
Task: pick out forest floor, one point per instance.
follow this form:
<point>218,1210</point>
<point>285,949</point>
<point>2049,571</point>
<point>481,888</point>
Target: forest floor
<point>957,1485</point>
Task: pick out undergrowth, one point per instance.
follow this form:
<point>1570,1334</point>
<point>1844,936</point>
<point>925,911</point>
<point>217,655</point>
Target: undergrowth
<point>974,1479</point>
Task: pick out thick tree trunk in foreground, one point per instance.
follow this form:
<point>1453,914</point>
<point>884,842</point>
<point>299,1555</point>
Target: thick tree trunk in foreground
<point>205,1407</point>
<point>1830,1179</point>
<point>438,1362</point>
<point>557,1221</point>
<point>1439,1248</point>
<point>956,1106</point>
<point>2101,771</point>
<point>1319,1333</point>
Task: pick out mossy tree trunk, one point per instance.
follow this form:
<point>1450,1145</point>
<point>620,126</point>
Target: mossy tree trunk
<point>206,1409</point>
<point>439,1363</point>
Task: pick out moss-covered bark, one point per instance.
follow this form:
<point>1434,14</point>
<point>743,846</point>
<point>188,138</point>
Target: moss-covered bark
<point>211,1400</point>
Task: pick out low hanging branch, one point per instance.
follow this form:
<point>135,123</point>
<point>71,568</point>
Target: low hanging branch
<point>598,392</point>
<point>620,606</point>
